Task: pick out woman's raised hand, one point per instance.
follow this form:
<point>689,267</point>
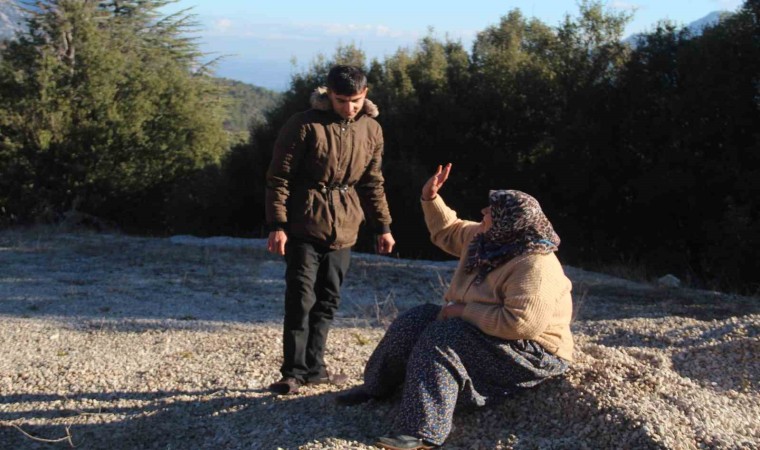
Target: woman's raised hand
<point>434,184</point>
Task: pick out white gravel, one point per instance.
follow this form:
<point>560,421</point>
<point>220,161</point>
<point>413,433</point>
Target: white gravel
<point>119,342</point>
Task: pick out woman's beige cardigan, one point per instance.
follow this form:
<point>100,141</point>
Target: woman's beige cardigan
<point>525,298</point>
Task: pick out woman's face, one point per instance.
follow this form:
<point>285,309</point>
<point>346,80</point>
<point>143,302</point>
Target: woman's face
<point>487,222</point>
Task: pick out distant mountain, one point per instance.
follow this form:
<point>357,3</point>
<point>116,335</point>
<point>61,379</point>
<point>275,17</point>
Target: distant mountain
<point>11,19</point>
<point>246,104</point>
<point>698,26</point>
<point>695,28</point>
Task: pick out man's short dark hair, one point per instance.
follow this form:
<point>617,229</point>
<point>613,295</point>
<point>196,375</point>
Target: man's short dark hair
<point>346,80</point>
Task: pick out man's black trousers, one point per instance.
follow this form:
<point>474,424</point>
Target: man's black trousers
<point>313,279</point>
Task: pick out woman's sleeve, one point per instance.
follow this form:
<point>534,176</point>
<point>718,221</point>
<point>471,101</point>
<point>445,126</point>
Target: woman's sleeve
<point>447,231</point>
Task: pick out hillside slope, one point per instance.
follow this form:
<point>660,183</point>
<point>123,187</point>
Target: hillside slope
<point>121,342</point>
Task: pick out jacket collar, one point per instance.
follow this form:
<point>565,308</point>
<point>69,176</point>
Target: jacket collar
<point>320,101</point>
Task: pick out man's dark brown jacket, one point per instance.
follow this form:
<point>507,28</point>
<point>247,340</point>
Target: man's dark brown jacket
<point>325,175</point>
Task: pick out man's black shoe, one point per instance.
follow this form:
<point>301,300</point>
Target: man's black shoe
<point>286,385</point>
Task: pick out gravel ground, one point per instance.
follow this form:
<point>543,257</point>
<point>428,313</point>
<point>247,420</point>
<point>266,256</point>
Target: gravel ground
<point>118,342</point>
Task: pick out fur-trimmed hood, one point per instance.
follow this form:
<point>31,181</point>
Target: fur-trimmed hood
<point>320,101</point>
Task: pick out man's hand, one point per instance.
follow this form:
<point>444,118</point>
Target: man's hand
<point>276,242</point>
<point>385,243</point>
<point>434,184</point>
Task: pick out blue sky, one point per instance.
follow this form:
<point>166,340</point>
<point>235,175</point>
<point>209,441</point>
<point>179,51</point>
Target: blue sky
<point>263,38</point>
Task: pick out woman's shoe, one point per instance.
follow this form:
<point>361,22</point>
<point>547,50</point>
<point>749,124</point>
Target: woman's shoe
<point>403,442</point>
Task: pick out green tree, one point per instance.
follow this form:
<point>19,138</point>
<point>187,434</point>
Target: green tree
<point>689,110</point>
<point>102,101</point>
<point>420,89</point>
<point>578,167</point>
<point>516,92</point>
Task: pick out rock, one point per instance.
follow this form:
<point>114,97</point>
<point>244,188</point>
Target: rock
<point>669,281</point>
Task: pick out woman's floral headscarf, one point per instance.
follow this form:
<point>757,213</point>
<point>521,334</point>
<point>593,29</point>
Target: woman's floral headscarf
<point>519,228</point>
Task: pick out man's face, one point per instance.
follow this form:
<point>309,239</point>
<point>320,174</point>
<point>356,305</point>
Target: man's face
<point>347,106</point>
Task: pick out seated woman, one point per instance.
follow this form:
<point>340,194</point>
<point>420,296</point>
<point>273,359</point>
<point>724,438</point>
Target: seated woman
<point>505,326</point>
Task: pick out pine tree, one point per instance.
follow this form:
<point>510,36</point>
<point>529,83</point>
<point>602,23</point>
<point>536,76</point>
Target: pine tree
<point>102,100</point>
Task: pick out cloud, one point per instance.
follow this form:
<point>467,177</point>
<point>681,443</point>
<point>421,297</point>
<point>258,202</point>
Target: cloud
<point>248,38</point>
<point>626,6</point>
<point>303,31</point>
<point>282,36</point>
<point>223,25</point>
<point>339,29</point>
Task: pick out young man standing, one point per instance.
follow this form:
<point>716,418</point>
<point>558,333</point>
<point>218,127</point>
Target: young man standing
<point>324,180</point>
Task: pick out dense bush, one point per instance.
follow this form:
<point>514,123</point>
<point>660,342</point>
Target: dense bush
<point>649,155</point>
<point>104,105</point>
<point>645,155</point>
